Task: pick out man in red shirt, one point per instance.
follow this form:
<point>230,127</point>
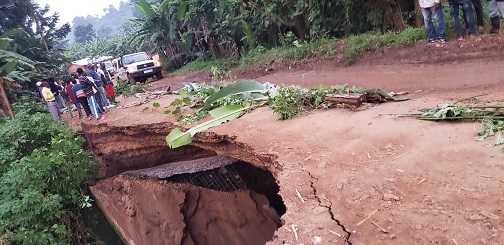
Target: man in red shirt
<point>72,97</point>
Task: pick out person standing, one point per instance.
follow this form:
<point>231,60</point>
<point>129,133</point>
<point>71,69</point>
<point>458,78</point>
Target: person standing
<point>478,12</point>
<point>81,97</point>
<point>55,88</point>
<point>99,86</point>
<point>39,90</point>
<point>72,97</point>
<point>107,81</point>
<point>66,99</point>
<point>469,17</point>
<point>87,87</point>
<point>50,99</point>
<point>433,9</point>
<point>496,11</point>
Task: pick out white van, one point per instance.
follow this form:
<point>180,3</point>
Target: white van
<point>137,67</point>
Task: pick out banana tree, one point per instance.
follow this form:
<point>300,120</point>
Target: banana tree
<point>11,67</point>
<point>159,25</point>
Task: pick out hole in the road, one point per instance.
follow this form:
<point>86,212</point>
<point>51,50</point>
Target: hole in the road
<point>248,210</point>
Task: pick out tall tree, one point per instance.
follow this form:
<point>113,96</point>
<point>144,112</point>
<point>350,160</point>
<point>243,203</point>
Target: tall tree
<point>46,27</point>
<point>104,32</point>
<point>84,33</point>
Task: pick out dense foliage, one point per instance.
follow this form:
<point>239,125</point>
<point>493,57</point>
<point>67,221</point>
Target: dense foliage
<point>183,31</point>
<point>39,37</point>
<point>30,42</point>
<point>42,170</point>
<point>186,30</point>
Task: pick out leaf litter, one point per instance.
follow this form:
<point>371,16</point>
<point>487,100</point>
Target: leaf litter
<point>490,117</point>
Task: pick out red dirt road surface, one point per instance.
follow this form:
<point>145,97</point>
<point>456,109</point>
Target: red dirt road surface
<point>359,177</point>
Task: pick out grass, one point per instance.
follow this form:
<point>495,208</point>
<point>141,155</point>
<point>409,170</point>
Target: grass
<point>325,47</point>
<point>359,44</point>
<point>321,47</point>
<point>207,65</point>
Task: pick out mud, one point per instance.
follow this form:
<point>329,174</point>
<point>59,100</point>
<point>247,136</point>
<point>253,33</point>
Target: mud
<point>147,211</point>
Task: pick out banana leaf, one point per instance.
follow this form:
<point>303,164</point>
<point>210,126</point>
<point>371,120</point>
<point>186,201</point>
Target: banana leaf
<point>223,114</point>
<point>237,88</point>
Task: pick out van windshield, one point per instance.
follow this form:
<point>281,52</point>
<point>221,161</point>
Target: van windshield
<point>135,58</point>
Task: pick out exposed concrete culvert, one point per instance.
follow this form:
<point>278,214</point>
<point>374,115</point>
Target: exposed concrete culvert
<point>193,202</point>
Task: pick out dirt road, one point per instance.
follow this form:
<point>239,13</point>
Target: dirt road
<point>378,178</point>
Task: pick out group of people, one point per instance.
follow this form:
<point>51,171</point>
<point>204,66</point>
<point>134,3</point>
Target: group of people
<point>433,9</point>
<point>91,89</point>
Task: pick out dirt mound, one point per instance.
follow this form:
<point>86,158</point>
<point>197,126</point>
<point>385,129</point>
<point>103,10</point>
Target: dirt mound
<point>158,212</point>
<point>490,47</point>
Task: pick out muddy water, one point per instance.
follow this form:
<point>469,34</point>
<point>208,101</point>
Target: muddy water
<point>98,225</point>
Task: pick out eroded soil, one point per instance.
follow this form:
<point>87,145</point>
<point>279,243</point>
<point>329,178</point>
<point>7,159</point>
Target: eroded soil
<point>383,179</point>
<point>158,212</point>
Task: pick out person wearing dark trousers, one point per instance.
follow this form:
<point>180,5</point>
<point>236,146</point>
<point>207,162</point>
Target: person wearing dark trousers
<point>496,11</point>
<point>478,10</point>
<point>72,97</point>
<point>88,87</point>
<point>81,97</point>
<point>56,91</point>
<point>469,17</point>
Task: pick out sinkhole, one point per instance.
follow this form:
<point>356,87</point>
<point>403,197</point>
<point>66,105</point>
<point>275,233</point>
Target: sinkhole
<point>251,199</point>
<point>208,201</point>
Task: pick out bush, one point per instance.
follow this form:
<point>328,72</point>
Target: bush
<point>288,102</point>
<point>125,89</point>
<point>42,170</point>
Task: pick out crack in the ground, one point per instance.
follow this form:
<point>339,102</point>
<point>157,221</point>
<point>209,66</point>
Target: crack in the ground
<point>328,207</point>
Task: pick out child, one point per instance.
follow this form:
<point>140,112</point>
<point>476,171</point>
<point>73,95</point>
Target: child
<point>109,90</point>
<point>430,9</point>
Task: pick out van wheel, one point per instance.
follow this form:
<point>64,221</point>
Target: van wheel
<point>131,80</point>
<point>159,75</point>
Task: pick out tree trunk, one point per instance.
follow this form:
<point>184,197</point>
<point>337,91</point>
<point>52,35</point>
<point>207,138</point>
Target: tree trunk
<point>351,99</point>
<point>5,105</point>
<point>41,33</point>
<point>418,14</point>
<point>392,18</point>
<point>300,26</point>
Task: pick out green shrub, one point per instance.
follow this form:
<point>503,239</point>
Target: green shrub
<point>288,102</point>
<point>42,170</point>
<point>124,88</point>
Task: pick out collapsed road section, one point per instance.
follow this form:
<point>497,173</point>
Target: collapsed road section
<point>212,200</point>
